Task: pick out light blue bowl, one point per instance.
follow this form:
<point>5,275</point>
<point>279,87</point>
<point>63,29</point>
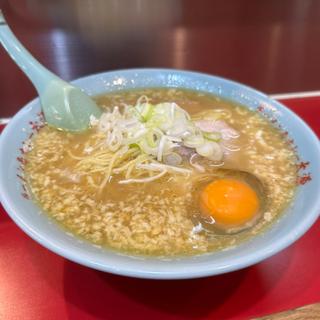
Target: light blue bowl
<point>292,225</point>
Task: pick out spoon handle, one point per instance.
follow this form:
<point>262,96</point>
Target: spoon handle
<point>36,72</point>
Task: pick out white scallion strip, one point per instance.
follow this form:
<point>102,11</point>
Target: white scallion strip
<point>161,147</point>
<point>143,180</point>
<point>230,134</point>
<point>154,166</point>
<point>135,137</point>
<point>219,164</point>
<point>172,110</point>
<point>197,166</point>
<point>230,147</point>
<point>175,139</point>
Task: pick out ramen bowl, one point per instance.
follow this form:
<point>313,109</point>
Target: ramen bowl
<point>293,223</point>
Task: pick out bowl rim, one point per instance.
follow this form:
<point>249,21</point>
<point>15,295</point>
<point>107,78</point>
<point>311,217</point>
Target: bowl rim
<point>249,259</point>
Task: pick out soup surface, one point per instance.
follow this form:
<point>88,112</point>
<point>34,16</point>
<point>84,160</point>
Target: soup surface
<point>75,179</point>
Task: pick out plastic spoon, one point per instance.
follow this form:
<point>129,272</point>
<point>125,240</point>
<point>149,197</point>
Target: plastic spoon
<point>65,106</point>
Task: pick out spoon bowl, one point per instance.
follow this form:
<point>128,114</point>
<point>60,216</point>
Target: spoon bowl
<point>65,106</point>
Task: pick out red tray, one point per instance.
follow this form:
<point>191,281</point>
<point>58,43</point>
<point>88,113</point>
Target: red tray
<point>37,284</point>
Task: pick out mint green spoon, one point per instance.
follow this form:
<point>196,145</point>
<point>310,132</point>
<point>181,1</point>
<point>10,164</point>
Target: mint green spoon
<point>65,106</point>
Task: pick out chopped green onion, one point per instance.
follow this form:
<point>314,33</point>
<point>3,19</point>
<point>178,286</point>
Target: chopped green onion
<point>147,111</point>
<point>194,141</point>
<point>156,120</point>
<point>157,131</point>
<point>213,136</point>
<point>153,138</point>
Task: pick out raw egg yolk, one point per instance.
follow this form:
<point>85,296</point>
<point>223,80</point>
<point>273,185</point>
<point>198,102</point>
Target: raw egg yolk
<point>229,202</point>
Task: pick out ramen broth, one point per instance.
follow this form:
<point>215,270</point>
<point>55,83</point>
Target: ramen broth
<point>156,218</point>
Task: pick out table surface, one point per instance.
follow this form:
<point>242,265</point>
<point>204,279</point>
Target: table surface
<point>271,45</point>
<point>38,284</point>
